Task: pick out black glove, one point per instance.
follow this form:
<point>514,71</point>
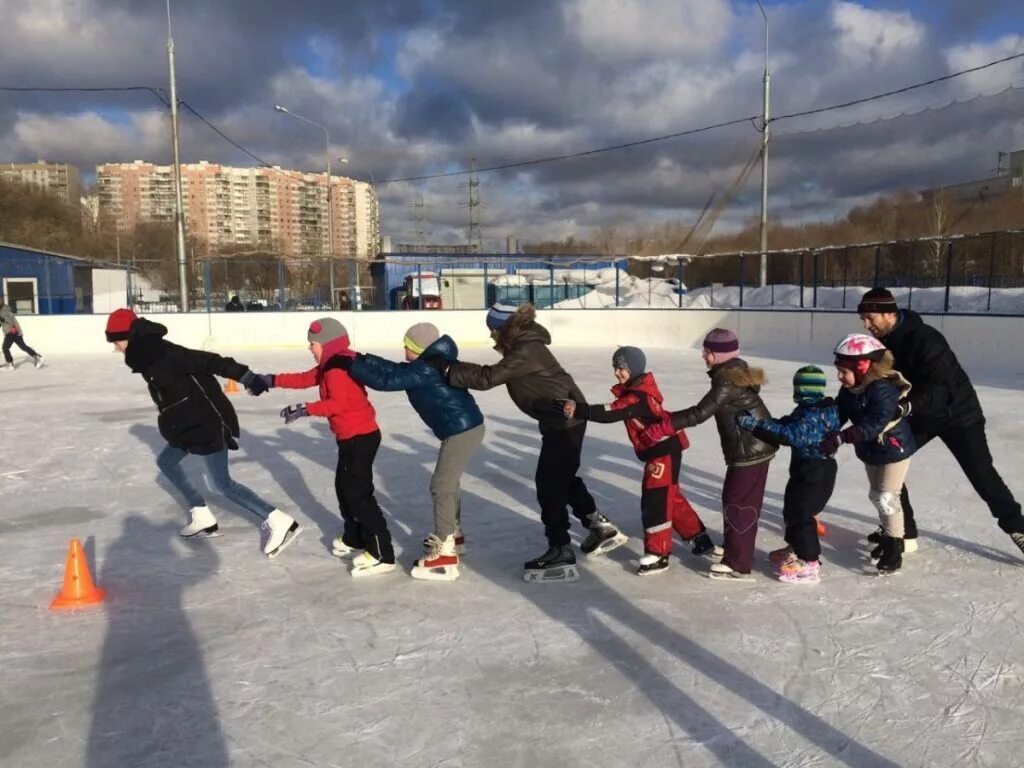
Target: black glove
<point>830,444</point>
<point>256,383</point>
<point>438,363</point>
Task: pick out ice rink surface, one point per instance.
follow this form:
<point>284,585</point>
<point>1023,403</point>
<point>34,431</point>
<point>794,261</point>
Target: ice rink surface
<point>205,654</point>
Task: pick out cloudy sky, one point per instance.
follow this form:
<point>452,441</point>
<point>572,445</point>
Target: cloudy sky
<point>419,87</point>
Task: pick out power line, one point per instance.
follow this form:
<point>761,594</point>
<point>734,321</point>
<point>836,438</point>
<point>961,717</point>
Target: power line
<point>897,91</point>
<point>158,92</point>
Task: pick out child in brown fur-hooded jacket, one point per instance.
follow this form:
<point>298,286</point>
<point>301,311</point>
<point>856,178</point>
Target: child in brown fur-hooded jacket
<point>735,388</point>
<point>534,378</point>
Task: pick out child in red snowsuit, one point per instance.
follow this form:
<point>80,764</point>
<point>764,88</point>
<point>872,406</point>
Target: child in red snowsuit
<point>663,506</point>
<point>354,423</point>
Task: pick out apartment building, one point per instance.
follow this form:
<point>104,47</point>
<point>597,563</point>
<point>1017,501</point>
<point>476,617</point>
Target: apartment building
<point>59,178</point>
<point>265,207</point>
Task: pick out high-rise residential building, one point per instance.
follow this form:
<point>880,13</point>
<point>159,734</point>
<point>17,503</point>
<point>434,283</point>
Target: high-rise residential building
<point>59,178</point>
<point>265,207</point>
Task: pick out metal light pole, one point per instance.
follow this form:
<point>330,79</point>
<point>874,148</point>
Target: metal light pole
<point>330,205</point>
<point>765,133</point>
<point>179,202</point>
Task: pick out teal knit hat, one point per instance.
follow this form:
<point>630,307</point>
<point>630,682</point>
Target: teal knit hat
<point>809,384</point>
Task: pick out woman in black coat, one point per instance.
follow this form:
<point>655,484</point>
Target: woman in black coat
<point>196,418</point>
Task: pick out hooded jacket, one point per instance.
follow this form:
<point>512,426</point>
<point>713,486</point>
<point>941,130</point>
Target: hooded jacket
<point>529,371</point>
<point>343,401</point>
<point>447,410</point>
<point>638,404</point>
<point>8,321</point>
<point>943,395</point>
<point>735,388</point>
<point>195,414</point>
<point>870,406</point>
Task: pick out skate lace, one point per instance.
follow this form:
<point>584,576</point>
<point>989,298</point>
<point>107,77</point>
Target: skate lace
<point>432,546</point>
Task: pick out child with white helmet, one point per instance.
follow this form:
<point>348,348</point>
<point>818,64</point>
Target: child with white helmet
<point>869,400</point>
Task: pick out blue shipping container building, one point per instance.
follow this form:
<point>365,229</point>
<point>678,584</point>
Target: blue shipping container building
<point>44,283</point>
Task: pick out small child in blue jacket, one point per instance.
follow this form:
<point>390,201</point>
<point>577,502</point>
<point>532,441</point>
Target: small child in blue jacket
<point>455,419</point>
<point>812,475</point>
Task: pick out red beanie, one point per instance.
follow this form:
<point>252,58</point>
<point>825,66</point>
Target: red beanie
<point>119,324</point>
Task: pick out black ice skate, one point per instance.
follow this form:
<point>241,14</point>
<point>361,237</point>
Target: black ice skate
<point>701,544</point>
<point>557,564</point>
<point>909,541</point>
<point>891,556</point>
<point>602,536</point>
<point>651,564</point>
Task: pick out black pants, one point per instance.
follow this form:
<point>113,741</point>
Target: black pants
<point>365,527</point>
<point>810,486</point>
<point>558,486</point>
<point>16,338</point>
<point>969,447</point>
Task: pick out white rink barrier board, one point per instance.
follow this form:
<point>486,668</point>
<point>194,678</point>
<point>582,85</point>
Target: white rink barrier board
<point>979,341</point>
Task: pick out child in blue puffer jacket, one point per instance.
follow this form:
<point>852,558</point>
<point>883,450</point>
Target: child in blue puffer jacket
<point>454,418</point>
<point>812,475</point>
<point>870,401</point>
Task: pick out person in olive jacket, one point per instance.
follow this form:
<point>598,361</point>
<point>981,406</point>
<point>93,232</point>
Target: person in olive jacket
<point>942,404</point>
<point>452,415</point>
<point>196,418</point>
<point>734,390</point>
<point>534,378</point>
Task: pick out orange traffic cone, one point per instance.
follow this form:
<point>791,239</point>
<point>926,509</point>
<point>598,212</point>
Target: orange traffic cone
<point>230,386</point>
<point>78,589</point>
<point>822,530</point>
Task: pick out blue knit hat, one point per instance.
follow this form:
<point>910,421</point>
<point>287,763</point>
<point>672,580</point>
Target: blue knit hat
<point>498,315</point>
<point>631,359</point>
<point>809,384</point>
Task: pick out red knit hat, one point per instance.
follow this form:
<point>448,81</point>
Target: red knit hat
<point>119,323</point>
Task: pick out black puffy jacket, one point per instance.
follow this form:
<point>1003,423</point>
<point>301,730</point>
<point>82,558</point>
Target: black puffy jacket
<point>195,414</point>
<point>528,370</point>
<point>734,390</point>
<point>942,394</point>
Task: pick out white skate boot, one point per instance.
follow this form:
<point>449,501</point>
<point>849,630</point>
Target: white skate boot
<point>203,524</point>
<point>281,530</point>
<point>365,564</point>
<point>441,563</point>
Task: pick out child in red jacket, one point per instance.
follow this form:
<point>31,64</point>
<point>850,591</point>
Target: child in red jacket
<point>662,504</point>
<point>354,423</point>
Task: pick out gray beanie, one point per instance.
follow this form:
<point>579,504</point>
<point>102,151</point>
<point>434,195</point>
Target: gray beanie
<point>630,358</point>
<point>325,329</point>
<point>420,336</point>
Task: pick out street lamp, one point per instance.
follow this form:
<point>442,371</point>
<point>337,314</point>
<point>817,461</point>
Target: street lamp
<point>330,206</point>
<point>765,118</point>
<point>179,200</point>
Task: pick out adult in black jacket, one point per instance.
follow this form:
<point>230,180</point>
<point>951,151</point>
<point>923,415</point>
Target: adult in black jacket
<point>196,418</point>
<point>534,378</point>
<point>942,404</point>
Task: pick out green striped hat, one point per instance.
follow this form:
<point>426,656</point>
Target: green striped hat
<point>809,383</point>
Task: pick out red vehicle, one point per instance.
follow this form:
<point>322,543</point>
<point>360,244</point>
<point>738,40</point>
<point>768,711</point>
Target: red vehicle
<point>425,283</point>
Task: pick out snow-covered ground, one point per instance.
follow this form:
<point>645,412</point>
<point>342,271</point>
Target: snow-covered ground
<point>206,654</point>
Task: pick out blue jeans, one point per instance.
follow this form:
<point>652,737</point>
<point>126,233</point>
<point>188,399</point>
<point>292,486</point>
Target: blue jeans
<point>169,462</point>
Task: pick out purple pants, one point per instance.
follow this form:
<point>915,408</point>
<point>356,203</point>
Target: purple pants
<point>742,498</point>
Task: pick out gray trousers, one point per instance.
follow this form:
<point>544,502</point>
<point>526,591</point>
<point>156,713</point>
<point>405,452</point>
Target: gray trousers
<point>452,460</point>
<point>886,484</point>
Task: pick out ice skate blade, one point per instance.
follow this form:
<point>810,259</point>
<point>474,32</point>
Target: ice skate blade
<point>808,582</point>
<point>733,576</point>
<point>345,554</point>
<point>374,570</point>
<point>651,572</point>
<point>291,536</point>
<point>201,535</point>
<point>440,573</point>
<point>561,573</point>
<point>608,545</point>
